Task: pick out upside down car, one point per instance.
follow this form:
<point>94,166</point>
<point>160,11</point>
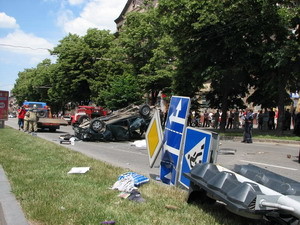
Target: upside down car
<point>129,123</point>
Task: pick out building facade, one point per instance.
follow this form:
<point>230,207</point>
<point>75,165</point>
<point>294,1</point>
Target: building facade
<point>132,6</point>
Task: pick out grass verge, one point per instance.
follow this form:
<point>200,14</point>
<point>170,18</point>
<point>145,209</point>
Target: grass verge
<point>37,171</point>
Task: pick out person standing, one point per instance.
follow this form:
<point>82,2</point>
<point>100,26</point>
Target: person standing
<point>21,115</point>
<point>248,125</point>
<point>271,122</point>
<point>260,120</point>
<point>287,120</point>
<point>236,119</point>
<point>26,122</point>
<point>205,121</point>
<point>33,118</point>
<point>216,119</point>
<point>230,120</point>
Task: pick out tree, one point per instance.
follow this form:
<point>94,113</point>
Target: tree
<point>225,43</point>
<point>123,91</point>
<point>33,84</point>
<point>149,50</point>
<point>279,72</point>
<point>77,74</point>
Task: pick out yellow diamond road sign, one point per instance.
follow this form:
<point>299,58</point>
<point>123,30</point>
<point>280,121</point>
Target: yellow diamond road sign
<point>154,138</point>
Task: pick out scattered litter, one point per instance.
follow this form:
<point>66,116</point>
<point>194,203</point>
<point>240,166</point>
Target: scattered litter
<point>173,207</point>
<point>108,222</point>
<point>65,136</point>
<point>79,170</point>
<point>125,185</point>
<point>140,144</point>
<point>72,140</point>
<point>135,195</point>
<point>67,139</point>
<point>226,151</point>
<point>288,156</point>
<point>137,178</point>
<point>124,195</point>
<point>64,142</point>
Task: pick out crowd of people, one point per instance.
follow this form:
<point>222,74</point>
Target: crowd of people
<point>263,119</point>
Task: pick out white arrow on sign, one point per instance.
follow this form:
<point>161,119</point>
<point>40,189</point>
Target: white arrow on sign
<point>176,118</point>
<point>195,155</point>
<point>168,176</point>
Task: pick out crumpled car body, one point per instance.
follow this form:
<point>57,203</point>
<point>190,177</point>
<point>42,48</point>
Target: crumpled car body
<point>126,124</point>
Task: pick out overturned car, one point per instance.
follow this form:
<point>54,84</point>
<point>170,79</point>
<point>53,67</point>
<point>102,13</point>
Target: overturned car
<point>129,123</point>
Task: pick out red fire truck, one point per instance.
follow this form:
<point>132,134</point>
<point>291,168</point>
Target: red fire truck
<point>85,113</point>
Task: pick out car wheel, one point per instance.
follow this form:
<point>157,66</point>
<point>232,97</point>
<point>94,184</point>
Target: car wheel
<point>41,114</point>
<point>97,125</point>
<point>144,110</point>
<point>83,118</point>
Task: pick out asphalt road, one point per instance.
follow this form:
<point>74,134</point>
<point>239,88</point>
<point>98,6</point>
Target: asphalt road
<point>280,158</point>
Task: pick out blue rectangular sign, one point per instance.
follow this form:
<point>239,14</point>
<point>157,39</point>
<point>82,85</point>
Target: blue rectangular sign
<point>173,136</point>
<point>196,149</point>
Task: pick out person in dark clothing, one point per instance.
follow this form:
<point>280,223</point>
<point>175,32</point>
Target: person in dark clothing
<point>297,124</point>
<point>287,120</point>
<point>230,120</point>
<point>271,121</point>
<point>248,125</point>
<point>260,120</point>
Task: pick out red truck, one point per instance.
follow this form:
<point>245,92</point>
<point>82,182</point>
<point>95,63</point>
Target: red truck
<point>85,113</point>
<point>45,120</point>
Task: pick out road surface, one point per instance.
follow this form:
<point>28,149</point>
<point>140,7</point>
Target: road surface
<point>276,157</point>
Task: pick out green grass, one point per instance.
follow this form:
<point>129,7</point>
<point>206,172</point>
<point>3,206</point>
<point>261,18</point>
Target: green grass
<point>37,171</point>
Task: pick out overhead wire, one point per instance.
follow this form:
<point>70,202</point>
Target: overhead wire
<point>20,46</point>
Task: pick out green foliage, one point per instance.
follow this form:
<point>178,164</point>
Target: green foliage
<point>235,45</point>
<point>149,50</point>
<point>33,84</point>
<point>123,91</point>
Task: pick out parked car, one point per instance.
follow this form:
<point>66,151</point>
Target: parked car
<point>129,123</point>
<point>12,115</point>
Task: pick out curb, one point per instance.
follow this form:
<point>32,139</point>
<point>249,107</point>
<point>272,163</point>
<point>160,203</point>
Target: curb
<point>10,210</point>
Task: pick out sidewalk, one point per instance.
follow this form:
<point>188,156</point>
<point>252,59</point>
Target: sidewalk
<point>10,210</point>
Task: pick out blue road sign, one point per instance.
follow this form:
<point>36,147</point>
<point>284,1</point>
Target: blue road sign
<point>196,150</point>
<point>173,138</point>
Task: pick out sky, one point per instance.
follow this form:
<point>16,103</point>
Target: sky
<point>28,28</point>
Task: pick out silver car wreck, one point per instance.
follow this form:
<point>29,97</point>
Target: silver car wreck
<point>129,123</point>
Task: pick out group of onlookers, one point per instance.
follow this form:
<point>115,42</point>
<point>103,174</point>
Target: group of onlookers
<point>264,119</point>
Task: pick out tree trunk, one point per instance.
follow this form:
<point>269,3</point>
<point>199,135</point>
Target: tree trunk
<point>281,94</point>
<point>224,109</point>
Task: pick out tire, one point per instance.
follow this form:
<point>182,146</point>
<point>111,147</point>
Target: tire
<point>144,110</point>
<point>97,125</point>
<point>41,114</point>
<point>83,118</point>
<point>52,129</point>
